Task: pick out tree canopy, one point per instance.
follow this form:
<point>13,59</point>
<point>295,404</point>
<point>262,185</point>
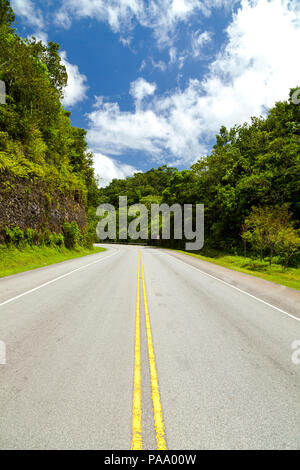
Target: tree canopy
<point>37,140</point>
<point>255,164</point>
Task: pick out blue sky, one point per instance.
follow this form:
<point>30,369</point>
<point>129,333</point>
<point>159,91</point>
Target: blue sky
<point>152,81</point>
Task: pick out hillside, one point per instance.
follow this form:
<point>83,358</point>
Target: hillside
<point>46,174</point>
<point>249,185</point>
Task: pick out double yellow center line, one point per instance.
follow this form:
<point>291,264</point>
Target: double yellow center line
<point>137,442</point>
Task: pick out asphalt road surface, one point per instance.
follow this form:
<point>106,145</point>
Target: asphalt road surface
<point>144,348</point>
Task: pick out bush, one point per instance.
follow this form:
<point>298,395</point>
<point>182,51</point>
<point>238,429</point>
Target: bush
<point>60,240</point>
<point>31,237</point>
<point>56,239</point>
<point>44,239</point>
<point>271,228</point>
<point>89,236</point>
<point>13,236</point>
<point>71,234</point>
<point>71,237</point>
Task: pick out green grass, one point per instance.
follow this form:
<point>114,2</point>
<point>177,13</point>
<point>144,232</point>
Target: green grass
<point>274,273</point>
<point>13,261</point>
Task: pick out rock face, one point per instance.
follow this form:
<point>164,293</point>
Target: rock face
<point>30,206</point>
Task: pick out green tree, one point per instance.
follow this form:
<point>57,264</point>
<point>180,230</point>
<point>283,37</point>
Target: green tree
<point>289,244</point>
<point>38,144</point>
<point>269,227</point>
<point>7,16</point>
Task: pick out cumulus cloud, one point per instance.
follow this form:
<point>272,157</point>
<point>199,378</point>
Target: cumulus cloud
<point>29,12</point>
<point>32,17</point>
<point>256,67</point>
<point>112,131</point>
<point>141,88</point>
<point>117,13</point>
<point>106,169</point>
<point>77,87</point>
<point>162,16</point>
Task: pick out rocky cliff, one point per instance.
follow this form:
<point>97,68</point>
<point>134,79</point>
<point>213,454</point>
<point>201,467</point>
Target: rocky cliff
<point>30,205</point>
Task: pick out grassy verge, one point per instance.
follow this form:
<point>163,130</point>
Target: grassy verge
<point>13,261</point>
<point>274,273</point>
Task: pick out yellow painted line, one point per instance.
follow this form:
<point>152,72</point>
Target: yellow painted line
<point>157,408</point>
<point>136,443</point>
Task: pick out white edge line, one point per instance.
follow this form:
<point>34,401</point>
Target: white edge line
<point>233,287</point>
<point>56,279</point>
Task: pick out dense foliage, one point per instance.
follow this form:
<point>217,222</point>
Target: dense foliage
<point>37,140</point>
<point>249,184</point>
<point>254,165</point>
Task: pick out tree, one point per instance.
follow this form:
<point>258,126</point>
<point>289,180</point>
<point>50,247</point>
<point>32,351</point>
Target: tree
<point>269,227</point>
<point>256,234</point>
<point>254,164</point>
<point>7,16</point>
<point>289,243</point>
<point>38,145</point>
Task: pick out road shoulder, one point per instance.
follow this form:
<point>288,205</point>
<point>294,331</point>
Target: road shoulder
<point>280,296</point>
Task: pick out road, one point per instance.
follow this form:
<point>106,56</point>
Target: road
<point>77,376</point>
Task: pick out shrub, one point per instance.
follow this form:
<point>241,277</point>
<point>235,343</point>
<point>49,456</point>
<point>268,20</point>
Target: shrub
<point>56,239</point>
<point>89,236</point>
<point>14,236</point>
<point>45,238</point>
<point>289,244</point>
<point>271,228</point>
<point>31,237</point>
<point>60,240</point>
<point>71,234</point>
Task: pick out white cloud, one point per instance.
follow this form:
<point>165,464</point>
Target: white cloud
<point>177,59</point>
<point>143,65</point>
<point>63,18</point>
<point>165,15</point>
<point>32,17</point>
<point>141,88</point>
<point>162,16</point>
<point>107,169</point>
<point>199,40</point>
<point>126,42</point>
<point>158,65</point>
<point>118,13</point>
<point>173,55</point>
<point>112,131</point>
<point>40,36</point>
<point>29,12</point>
<point>76,88</point>
<point>255,68</point>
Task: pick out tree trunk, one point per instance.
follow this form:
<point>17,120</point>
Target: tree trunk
<point>271,255</point>
<point>286,261</point>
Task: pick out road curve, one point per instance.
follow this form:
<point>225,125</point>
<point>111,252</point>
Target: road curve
<point>220,374</point>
